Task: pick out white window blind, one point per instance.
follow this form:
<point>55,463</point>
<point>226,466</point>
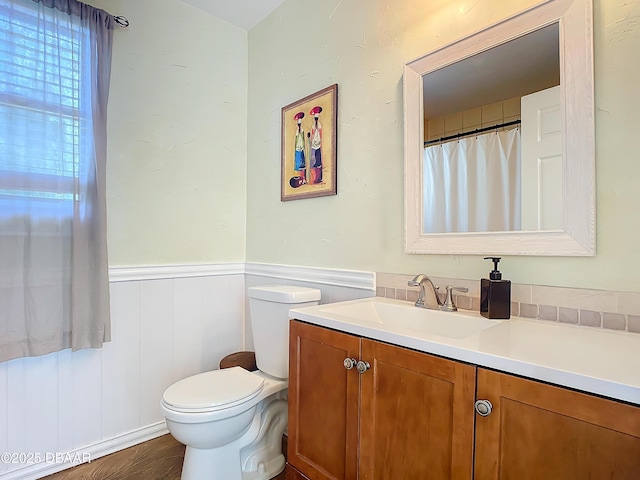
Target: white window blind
<point>55,60</point>
<point>44,116</point>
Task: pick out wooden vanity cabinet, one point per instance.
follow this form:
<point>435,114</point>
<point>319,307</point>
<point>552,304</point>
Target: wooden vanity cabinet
<point>415,420</point>
<point>292,474</point>
<point>406,416</point>
<point>324,403</point>
<point>538,431</point>
<point>411,416</point>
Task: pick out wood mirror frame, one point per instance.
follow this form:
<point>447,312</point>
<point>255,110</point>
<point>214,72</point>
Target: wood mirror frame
<point>578,235</point>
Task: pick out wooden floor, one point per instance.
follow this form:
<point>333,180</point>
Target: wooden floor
<point>158,459</point>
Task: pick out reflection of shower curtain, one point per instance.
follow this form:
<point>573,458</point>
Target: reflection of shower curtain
<point>473,184</point>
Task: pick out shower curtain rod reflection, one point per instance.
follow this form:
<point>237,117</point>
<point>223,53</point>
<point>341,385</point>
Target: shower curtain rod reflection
<point>471,132</point>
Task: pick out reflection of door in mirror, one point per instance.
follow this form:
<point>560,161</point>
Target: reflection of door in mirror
<point>473,176</point>
<point>542,161</point>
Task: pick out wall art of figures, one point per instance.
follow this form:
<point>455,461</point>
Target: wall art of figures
<point>309,131</point>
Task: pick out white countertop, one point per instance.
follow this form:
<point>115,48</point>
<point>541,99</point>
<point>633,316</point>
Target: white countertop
<point>599,361</point>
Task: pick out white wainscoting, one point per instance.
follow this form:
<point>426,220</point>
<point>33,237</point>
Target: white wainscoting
<point>168,322</point>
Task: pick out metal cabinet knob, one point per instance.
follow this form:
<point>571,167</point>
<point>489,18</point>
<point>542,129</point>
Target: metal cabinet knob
<point>349,363</point>
<point>483,408</point>
<point>362,366</point>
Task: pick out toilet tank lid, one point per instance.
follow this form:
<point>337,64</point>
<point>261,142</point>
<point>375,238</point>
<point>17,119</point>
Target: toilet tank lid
<point>284,293</point>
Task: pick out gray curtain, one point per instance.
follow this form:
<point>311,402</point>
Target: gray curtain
<point>54,278</point>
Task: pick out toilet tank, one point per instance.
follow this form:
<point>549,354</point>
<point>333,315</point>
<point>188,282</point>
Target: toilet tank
<point>269,314</point>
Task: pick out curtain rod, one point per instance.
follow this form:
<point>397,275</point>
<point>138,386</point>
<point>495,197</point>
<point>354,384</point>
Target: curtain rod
<point>471,132</point>
<point>121,20</point>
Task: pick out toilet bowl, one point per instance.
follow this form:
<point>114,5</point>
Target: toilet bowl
<point>232,420</point>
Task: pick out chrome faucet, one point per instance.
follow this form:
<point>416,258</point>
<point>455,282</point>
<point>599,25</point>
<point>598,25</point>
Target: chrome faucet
<point>446,305</point>
<point>419,281</point>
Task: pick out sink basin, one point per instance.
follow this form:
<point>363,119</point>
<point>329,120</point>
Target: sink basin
<point>396,315</point>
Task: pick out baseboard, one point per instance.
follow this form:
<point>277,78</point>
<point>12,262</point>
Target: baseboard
<point>88,452</point>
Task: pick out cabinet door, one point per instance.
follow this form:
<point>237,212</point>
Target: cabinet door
<point>538,431</point>
<point>323,403</point>
<point>417,415</point>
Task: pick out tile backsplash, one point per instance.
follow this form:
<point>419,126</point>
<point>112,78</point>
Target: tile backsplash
<point>593,308</point>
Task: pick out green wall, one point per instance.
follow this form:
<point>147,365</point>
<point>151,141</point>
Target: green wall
<point>177,133</point>
<point>305,46</point>
<point>194,137</point>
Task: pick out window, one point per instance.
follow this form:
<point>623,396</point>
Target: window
<point>54,78</point>
<point>44,116</point>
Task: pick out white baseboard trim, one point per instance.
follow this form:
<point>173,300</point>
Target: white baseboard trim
<point>326,276</point>
<point>87,453</point>
<point>159,272</point>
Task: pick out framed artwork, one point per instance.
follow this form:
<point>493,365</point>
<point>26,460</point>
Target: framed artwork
<point>309,131</point>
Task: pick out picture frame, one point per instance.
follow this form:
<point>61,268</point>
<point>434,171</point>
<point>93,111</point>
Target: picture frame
<point>308,148</point>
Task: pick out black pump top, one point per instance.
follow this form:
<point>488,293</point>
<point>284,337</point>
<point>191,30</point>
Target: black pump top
<point>495,273</point>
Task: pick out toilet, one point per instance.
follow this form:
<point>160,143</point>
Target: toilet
<point>232,420</point>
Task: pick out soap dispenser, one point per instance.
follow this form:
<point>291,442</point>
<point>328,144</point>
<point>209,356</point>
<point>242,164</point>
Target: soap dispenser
<point>495,294</point>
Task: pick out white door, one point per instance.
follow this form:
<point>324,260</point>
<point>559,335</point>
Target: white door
<point>541,156</point>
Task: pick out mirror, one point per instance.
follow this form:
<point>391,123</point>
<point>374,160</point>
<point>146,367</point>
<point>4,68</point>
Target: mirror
<point>544,203</point>
<point>480,167</point>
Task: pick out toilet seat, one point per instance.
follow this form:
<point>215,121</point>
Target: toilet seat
<point>213,391</point>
